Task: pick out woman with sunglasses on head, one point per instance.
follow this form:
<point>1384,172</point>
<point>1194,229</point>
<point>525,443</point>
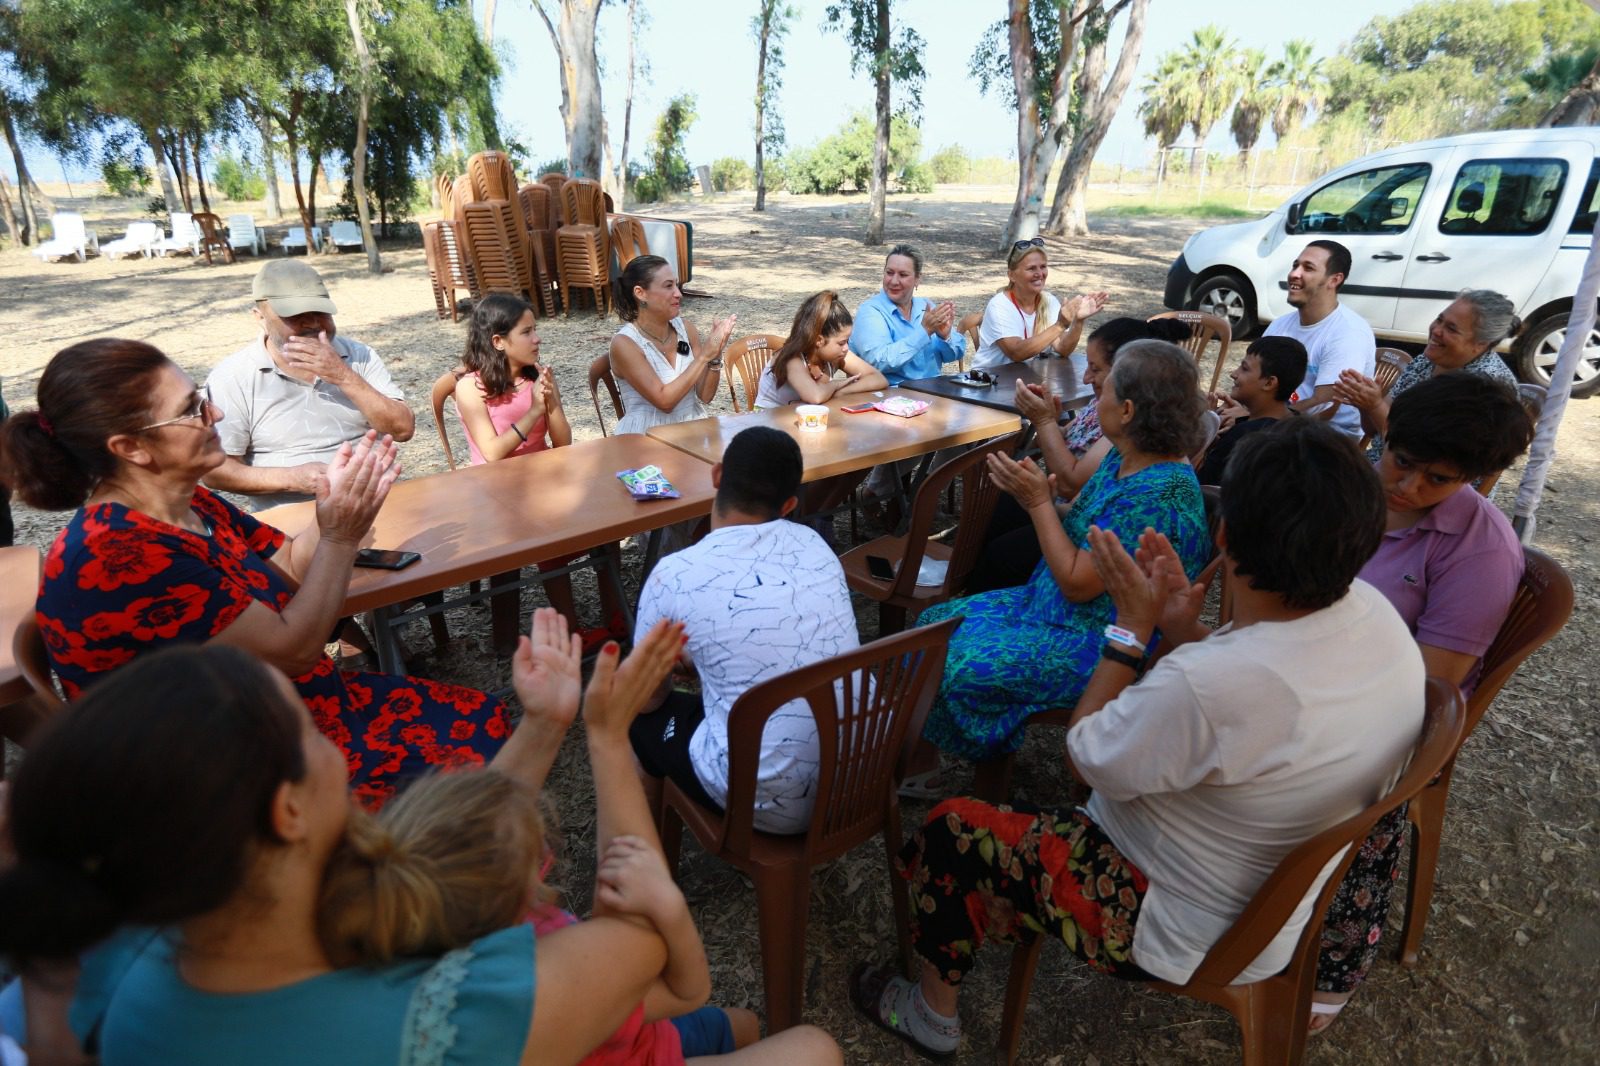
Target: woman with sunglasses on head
<point>152,558</point>
<point>1023,320</point>
<point>664,371</point>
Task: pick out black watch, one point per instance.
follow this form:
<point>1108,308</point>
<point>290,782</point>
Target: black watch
<point>1116,655</point>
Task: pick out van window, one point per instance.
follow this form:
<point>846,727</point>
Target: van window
<point>1504,197</point>
<point>1373,201</point>
<point>1588,203</point>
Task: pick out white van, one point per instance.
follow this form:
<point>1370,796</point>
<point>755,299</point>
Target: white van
<point>1511,210</point>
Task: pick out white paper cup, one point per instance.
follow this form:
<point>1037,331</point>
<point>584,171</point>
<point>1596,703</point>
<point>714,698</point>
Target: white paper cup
<point>813,417</point>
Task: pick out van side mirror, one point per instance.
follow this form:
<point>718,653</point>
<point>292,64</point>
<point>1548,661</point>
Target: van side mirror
<point>1294,218</point>
<point>1398,206</point>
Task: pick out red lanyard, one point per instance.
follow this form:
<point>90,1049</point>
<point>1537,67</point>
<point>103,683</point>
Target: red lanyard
<point>1023,313</point>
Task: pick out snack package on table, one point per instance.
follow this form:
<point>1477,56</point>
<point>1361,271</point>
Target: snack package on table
<point>648,483</point>
<point>904,406</point>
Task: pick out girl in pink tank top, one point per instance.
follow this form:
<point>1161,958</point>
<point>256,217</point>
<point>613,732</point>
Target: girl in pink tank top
<point>508,403</point>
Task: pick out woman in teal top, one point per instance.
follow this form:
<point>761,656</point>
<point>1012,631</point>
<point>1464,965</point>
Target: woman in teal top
<point>1032,648</point>
<point>191,794</point>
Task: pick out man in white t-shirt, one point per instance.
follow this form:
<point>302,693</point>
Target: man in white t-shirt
<point>1233,749</point>
<point>758,597</point>
<point>1336,338</point>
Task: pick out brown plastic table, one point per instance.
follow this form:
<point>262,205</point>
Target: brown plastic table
<point>473,523</point>
<point>19,591</point>
<point>1064,374</point>
<point>851,442</point>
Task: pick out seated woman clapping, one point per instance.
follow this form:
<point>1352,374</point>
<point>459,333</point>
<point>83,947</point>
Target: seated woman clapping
<point>665,372</point>
<point>1450,563</point>
<point>1023,319</point>
<point>151,558</point>
<point>1031,648</point>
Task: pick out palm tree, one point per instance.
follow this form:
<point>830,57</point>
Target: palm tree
<point>1256,99</point>
<point>1162,112</point>
<point>1301,86</point>
<point>1207,82</point>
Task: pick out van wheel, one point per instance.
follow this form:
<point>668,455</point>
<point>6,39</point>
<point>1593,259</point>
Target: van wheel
<point>1536,355</point>
<point>1226,297</point>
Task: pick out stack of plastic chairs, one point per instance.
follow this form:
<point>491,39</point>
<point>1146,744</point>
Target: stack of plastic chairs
<point>537,214</point>
<point>447,271</point>
<point>553,181</point>
<point>583,246</point>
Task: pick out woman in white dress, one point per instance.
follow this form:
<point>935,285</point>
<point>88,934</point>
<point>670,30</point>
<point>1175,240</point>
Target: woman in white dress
<point>664,371</point>
<point>1023,319</point>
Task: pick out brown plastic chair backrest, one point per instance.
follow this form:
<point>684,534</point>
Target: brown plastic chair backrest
<point>461,273</point>
<point>1203,329</point>
<point>210,225</point>
<point>870,705</point>
<point>492,176</point>
<point>460,197</point>
<point>1542,605</point>
<point>444,387</point>
<point>969,327</point>
<point>1390,362</point>
<point>444,184</point>
<point>582,203</point>
<point>627,237</point>
<point>748,357</point>
<point>499,248</point>
<point>979,494</point>
<point>553,181</point>
<point>1210,423</point>
<point>536,206</point>
<point>1264,916</point>
<point>600,374</point>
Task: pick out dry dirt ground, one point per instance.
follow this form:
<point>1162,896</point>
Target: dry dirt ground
<point>1508,969</point>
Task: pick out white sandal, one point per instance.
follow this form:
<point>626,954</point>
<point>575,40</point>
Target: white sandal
<point>1330,1011</point>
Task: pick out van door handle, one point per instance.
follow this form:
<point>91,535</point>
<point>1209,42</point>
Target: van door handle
<point>1388,257</point>
<point>1434,258</point>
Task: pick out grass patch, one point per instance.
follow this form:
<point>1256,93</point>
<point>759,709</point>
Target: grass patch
<point>1157,209</point>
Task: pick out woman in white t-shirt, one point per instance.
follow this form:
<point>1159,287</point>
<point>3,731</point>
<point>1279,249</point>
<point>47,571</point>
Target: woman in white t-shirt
<point>1022,320</point>
<point>664,371</point>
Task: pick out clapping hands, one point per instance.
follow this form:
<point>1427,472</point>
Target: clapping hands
<point>1037,403</point>
<point>1024,480</point>
<point>1357,390</point>
<point>939,318</point>
<point>1082,306</point>
<point>357,482</point>
<point>1149,588</point>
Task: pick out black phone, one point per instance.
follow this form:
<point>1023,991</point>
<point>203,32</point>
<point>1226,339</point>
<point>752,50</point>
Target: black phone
<point>380,559</point>
<point>880,568</point>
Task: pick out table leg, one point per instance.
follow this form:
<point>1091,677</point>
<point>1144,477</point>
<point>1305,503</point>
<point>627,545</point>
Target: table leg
<point>652,554</point>
<point>386,641</point>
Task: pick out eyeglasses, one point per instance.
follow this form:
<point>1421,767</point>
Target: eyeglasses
<point>1032,242</point>
<point>202,408</point>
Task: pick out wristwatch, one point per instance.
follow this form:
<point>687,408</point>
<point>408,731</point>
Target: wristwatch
<point>1116,655</point>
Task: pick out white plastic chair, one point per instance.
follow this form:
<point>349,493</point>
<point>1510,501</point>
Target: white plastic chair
<point>345,235</point>
<point>140,239</point>
<point>296,238</point>
<point>242,234</point>
<point>185,236</point>
<point>71,238</point>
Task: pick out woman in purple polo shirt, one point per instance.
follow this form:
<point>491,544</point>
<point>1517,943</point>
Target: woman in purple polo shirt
<point>1449,562</point>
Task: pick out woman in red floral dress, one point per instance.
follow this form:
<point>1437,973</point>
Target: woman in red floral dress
<point>152,558</point>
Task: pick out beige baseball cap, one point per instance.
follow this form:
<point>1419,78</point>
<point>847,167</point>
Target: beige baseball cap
<point>291,287</point>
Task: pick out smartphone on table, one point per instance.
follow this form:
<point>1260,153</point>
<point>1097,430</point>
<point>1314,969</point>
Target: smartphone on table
<point>382,559</point>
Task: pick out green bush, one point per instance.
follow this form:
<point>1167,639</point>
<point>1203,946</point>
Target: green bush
<point>124,175</point>
<point>237,180</point>
<point>553,166</point>
<point>916,177</point>
<point>844,159</point>
<point>647,187</point>
<point>950,164</point>
<point>731,173</point>
<point>157,208</point>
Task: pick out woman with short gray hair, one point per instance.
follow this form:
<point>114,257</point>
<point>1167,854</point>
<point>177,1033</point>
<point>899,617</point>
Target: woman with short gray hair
<point>1462,337</point>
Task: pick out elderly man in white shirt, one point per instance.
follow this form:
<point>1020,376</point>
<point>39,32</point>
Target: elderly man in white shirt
<point>298,392</point>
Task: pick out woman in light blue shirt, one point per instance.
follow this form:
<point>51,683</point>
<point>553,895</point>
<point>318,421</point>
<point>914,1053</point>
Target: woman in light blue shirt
<point>902,334</point>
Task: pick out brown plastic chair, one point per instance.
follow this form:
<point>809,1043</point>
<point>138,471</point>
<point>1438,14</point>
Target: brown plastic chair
<point>628,240</point>
<point>535,201</point>
<point>445,270</point>
<point>865,741</point>
<point>213,236</point>
<point>492,176</point>
<point>1203,329</point>
<point>553,181</point>
<point>902,595</point>
<point>600,374</point>
<point>991,779</point>
<point>1541,607</point>
<point>444,185</point>
<point>1390,362</point>
<point>444,387</point>
<point>969,327</point>
<point>1272,1012</point>
<point>499,247</point>
<point>748,357</point>
<point>583,248</point>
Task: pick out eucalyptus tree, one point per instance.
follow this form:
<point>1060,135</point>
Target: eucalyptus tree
<point>769,27</point>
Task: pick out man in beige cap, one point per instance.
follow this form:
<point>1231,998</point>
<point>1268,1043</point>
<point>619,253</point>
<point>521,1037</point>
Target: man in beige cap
<point>297,393</point>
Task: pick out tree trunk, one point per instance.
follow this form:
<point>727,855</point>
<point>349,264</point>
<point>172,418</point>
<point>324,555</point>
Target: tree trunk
<point>269,165</point>
<point>880,140</point>
<point>627,107</point>
<point>761,108</point>
<point>358,158</point>
<point>176,157</point>
<point>306,211</point>
<point>1581,105</point>
<point>30,218</point>
<point>158,148</point>
<point>581,114</point>
<point>200,176</point>
<point>488,20</point>
<point>311,197</point>
<point>1068,215</point>
<point>7,214</point>
<point>1038,134</point>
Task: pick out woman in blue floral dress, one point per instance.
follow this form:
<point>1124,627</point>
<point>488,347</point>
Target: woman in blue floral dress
<point>1032,648</point>
<point>152,559</point>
